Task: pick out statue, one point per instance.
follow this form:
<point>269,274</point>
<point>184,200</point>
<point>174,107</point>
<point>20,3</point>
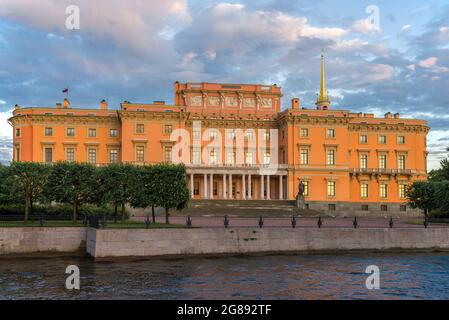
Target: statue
<point>300,203</point>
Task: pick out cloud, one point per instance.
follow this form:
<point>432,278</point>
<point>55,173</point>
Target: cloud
<point>427,63</point>
<point>114,20</point>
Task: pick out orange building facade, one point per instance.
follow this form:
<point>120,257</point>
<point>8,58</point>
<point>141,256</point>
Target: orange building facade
<point>238,144</point>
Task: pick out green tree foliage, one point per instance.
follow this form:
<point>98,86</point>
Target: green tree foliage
<point>73,183</point>
<point>170,187</point>
<point>27,180</point>
<point>421,195</point>
<point>143,193</point>
<point>116,185</point>
<point>441,174</point>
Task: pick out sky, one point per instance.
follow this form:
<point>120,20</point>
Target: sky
<point>134,50</point>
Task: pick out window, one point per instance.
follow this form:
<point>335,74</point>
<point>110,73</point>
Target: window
<point>365,207</point>
<point>231,135</point>
<point>266,157</point>
<point>383,207</point>
<point>70,154</point>
<point>249,158</point>
<point>113,132</point>
<point>18,154</point>
<point>383,161</point>
<point>266,136</point>
<point>196,135</point>
<point>213,157</point>
<point>383,190</point>
<point>70,132</point>
<point>402,191</point>
<point>140,128</point>
<point>304,156</point>
<point>17,132</point>
<point>92,133</point>
<point>113,156</point>
<point>330,157</point>
<point>196,157</point>
<point>249,135</point>
<point>382,139</point>
<point>304,132</point>
<point>402,207</point>
<point>48,132</point>
<point>364,190</point>
<point>48,155</point>
<point>306,188</point>
<point>331,188</point>
<point>401,139</point>
<point>363,138</point>
<point>168,128</point>
<point>331,207</point>
<point>330,133</point>
<point>231,157</point>
<point>363,161</point>
<point>167,153</point>
<point>140,153</point>
<point>401,161</point>
<point>213,135</point>
<point>92,155</point>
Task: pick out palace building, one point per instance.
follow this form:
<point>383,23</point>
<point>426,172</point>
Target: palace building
<point>346,160</point>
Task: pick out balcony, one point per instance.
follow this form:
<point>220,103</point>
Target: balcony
<point>377,171</point>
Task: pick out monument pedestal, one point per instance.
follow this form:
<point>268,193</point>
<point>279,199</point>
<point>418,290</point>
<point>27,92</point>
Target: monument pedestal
<point>300,202</point>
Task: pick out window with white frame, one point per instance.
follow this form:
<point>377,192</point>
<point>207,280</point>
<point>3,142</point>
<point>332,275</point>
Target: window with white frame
<point>363,161</point>
<point>330,157</point>
<point>331,186</point>
<point>304,156</point>
<point>383,190</point>
<point>364,190</point>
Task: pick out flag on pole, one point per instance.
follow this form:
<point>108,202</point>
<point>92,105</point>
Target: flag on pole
<point>66,90</point>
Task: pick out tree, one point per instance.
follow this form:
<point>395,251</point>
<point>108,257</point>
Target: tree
<point>441,174</point>
<point>116,185</point>
<point>5,185</point>
<point>142,193</point>
<point>170,187</point>
<point>73,183</point>
<point>28,179</point>
<point>421,195</point>
<point>441,190</point>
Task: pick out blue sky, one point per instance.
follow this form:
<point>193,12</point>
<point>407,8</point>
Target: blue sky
<point>135,50</point>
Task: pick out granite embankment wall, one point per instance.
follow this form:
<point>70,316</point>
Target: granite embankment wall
<point>22,241</point>
<point>115,243</point>
<point>103,244</point>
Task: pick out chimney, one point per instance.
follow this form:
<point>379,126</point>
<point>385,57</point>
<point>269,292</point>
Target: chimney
<point>58,106</point>
<point>295,103</point>
<point>66,103</point>
<point>103,105</point>
<point>16,106</point>
<point>397,115</point>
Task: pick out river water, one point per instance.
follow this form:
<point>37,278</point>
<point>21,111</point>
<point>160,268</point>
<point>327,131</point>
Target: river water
<point>342,276</point>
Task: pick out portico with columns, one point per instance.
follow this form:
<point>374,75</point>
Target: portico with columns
<point>236,184</point>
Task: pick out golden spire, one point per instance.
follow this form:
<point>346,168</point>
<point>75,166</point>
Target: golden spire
<point>322,101</point>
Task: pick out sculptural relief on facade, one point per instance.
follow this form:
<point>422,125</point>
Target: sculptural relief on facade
<point>231,101</point>
<point>196,101</point>
<point>249,102</point>
<point>266,102</point>
<point>214,101</point>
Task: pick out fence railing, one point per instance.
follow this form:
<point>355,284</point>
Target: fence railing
<point>103,221</point>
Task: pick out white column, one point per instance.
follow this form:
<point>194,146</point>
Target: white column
<point>243,187</point>
<point>249,187</point>
<point>205,186</point>
<point>262,187</point>
<point>281,191</point>
<point>230,186</point>
<point>268,187</point>
<point>224,186</point>
<point>191,185</point>
<point>211,192</point>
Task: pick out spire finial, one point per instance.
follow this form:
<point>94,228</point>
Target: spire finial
<point>323,100</point>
